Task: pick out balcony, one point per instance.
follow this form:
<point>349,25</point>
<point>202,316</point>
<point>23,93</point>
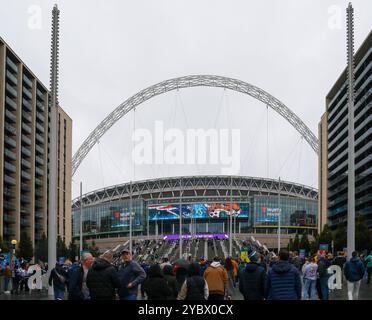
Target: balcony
<point>12,90</point>
<point>9,154</point>
<point>26,116</point>
<point>26,128</point>
<point>39,215</point>
<point>10,129</point>
<point>9,218</point>
<point>25,199</point>
<point>25,175</point>
<point>27,81</point>
<point>10,141</point>
<point>26,151</point>
<point>25,187</point>
<point>10,76</point>
<point>25,163</point>
<point>39,172</point>
<point>9,205</point>
<point>39,204</point>
<point>39,138</point>
<point>40,128</point>
<point>10,168</point>
<point>11,103</point>
<point>39,193</point>
<point>38,182</point>
<point>39,160</point>
<point>27,93</point>
<point>9,180</point>
<point>11,65</point>
<point>9,193</point>
<point>40,94</point>
<point>11,116</point>
<point>40,116</point>
<point>39,150</point>
<point>26,140</point>
<point>25,223</point>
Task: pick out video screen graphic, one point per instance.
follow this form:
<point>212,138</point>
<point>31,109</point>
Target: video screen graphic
<point>120,218</point>
<point>268,215</point>
<point>198,211</point>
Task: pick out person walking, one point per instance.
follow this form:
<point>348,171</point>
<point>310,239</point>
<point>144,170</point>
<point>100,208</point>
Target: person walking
<point>252,279</point>
<point>229,266</point>
<point>7,277</point>
<point>323,276</point>
<point>310,276</point>
<point>131,275</point>
<point>216,277</point>
<point>368,261</point>
<point>170,278</point>
<point>77,284</point>
<point>354,271</point>
<point>195,286</point>
<point>58,278</point>
<point>156,287</point>
<point>102,278</point>
<point>283,280</point>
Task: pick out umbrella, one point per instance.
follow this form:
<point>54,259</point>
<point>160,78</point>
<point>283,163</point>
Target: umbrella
<point>182,263</point>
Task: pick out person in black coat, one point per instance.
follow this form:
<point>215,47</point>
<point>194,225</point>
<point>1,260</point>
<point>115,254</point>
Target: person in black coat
<point>252,279</point>
<point>171,281</point>
<point>103,279</point>
<point>156,286</point>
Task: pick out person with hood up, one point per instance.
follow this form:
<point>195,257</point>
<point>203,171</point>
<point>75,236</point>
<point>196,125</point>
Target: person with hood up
<point>354,271</point>
<point>216,277</point>
<point>155,285</point>
<point>283,280</point>
<point>171,281</point>
<point>252,279</point>
<point>194,287</point>
<point>102,278</point>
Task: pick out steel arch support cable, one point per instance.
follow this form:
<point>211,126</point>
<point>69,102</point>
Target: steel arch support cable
<point>188,82</point>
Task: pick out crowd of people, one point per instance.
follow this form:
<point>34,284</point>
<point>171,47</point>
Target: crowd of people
<point>262,277</point>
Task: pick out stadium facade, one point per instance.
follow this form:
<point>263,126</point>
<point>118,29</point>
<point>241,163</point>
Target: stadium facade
<point>205,202</point>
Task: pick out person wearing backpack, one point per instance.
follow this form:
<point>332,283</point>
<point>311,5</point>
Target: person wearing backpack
<point>368,261</point>
<point>58,277</point>
<point>354,271</point>
<point>194,287</point>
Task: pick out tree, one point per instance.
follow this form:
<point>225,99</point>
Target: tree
<point>304,242</point>
<point>93,249</point>
<point>340,237</point>
<point>314,245</point>
<point>290,245</point>
<point>61,248</point>
<point>3,246</point>
<point>73,251</point>
<point>362,234</point>
<point>326,236</point>
<point>296,243</point>
<point>25,248</point>
<point>41,249</point>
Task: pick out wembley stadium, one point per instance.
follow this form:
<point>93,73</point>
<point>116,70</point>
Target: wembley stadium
<point>202,205</point>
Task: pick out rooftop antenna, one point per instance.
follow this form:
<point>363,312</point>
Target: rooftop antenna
<point>351,155</point>
<point>52,207</point>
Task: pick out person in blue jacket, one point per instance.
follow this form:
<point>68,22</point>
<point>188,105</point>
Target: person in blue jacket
<point>354,271</point>
<point>283,280</point>
<point>131,275</point>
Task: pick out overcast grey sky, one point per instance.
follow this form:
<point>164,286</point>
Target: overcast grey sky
<point>110,50</point>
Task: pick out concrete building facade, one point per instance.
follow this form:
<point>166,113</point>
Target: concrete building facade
<point>333,137</point>
<point>24,119</point>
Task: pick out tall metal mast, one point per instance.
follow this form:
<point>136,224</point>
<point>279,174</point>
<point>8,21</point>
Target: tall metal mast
<point>351,155</point>
<point>52,208</point>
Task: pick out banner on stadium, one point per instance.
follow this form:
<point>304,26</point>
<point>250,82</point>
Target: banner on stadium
<point>198,211</point>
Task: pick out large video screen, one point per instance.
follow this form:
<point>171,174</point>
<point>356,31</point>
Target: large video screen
<point>120,218</point>
<point>198,211</point>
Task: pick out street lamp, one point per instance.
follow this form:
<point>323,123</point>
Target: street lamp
<point>14,243</point>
